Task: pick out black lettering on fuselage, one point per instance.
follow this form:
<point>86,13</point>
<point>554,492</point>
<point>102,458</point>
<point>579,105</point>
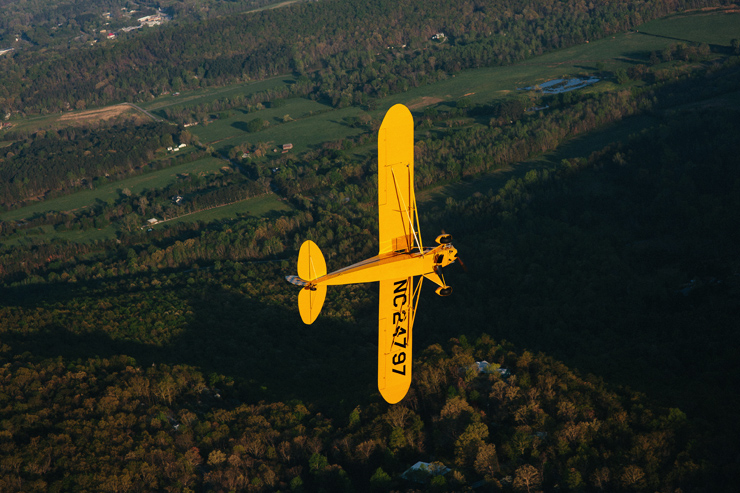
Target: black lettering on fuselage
<point>400,288</point>
<point>398,359</point>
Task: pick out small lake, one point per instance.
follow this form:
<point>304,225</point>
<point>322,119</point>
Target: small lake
<point>558,86</point>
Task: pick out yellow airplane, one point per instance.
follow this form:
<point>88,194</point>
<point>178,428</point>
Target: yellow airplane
<point>401,258</point>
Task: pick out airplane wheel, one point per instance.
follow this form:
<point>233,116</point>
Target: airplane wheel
<point>444,291</point>
<point>444,239</point>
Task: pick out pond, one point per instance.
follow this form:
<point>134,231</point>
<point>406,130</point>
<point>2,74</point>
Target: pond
<point>558,86</point>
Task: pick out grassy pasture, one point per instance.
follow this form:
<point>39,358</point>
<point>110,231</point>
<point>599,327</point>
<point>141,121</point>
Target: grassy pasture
<point>109,192</point>
<point>711,27</point>
<point>209,95</point>
<point>304,133</point>
<point>262,206</point>
<point>257,207</point>
<point>491,83</point>
<point>235,125</point>
<point>47,233</point>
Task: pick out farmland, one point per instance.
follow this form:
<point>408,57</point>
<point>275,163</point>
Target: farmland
<point>307,124</point>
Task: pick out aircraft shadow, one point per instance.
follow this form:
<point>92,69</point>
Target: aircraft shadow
<point>264,347</point>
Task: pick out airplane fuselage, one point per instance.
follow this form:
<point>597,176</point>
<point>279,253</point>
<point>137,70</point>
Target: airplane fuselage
<point>393,265</point>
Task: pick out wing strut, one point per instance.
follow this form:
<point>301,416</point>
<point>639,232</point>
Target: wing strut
<point>417,238</point>
<point>415,296</point>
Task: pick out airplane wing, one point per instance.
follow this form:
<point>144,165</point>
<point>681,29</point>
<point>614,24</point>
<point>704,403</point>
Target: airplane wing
<point>396,319</point>
<point>398,221</point>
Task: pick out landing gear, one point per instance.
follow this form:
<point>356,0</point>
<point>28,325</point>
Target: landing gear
<point>443,239</point>
<point>444,290</point>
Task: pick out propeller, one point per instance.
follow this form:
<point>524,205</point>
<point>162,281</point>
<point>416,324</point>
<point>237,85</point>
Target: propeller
<point>459,261</point>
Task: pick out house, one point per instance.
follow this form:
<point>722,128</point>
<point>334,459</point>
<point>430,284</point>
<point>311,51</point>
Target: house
<point>486,367</point>
<point>112,35</point>
<point>152,221</point>
<point>177,199</point>
<point>422,472</point>
<point>182,145</point>
<point>439,36</point>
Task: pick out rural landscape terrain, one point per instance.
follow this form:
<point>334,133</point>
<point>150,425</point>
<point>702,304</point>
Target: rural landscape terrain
<point>162,162</point>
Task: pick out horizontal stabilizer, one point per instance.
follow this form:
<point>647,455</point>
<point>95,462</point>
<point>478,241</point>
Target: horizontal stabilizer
<point>311,264</point>
<point>310,301</point>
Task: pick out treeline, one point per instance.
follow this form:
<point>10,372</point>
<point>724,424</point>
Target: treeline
<point>55,162</point>
<point>326,41</point>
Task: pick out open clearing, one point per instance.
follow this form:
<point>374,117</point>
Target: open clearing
<point>97,115</point>
<point>264,205</point>
<point>109,192</point>
<point>209,95</point>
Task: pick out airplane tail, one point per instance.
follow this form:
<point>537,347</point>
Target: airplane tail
<point>311,266</point>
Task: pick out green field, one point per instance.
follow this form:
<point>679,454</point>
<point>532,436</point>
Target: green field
<point>111,191</point>
<point>714,28</point>
<point>257,207</point>
<point>263,206</point>
<point>314,123</point>
<point>212,94</point>
<point>304,133</point>
<point>233,128</point>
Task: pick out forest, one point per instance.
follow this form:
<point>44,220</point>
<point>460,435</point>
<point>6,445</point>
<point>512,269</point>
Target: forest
<point>345,65</point>
<point>589,346</point>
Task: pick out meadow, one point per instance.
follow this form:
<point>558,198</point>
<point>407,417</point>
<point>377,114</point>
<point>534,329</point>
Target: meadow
<point>265,205</point>
<point>208,95</point>
<point>305,133</point>
<point>109,192</point>
<point>712,26</point>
